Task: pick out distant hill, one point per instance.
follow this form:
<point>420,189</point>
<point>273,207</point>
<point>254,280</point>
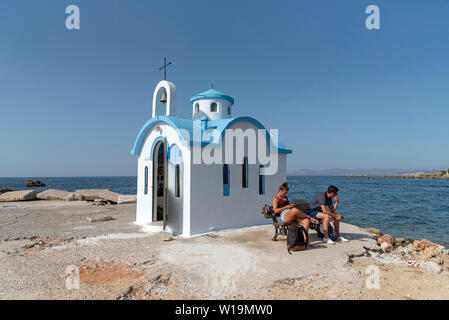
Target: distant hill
<point>368,172</point>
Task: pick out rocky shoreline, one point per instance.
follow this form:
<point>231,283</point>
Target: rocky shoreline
<point>97,196</point>
<point>422,254</point>
<point>443,174</point>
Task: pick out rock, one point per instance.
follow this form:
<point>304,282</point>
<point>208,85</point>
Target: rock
<point>23,195</point>
<point>400,250</point>
<point>407,242</point>
<point>444,273</point>
<point>423,244</point>
<point>438,260</point>
<point>96,194</point>
<point>399,241</point>
<point>5,190</point>
<point>35,183</point>
<point>53,194</point>
<point>99,218</point>
<point>386,247</point>
<point>431,266</point>
<point>430,252</point>
<point>385,238</point>
<point>125,198</point>
<point>167,237</point>
<point>374,231</point>
<point>109,195</point>
<point>371,245</point>
<point>88,194</point>
<point>355,253</point>
<point>73,197</point>
<point>99,202</point>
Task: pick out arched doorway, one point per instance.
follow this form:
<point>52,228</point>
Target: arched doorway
<point>160,206</point>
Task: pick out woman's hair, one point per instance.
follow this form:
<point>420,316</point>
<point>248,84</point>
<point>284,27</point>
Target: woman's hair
<point>284,187</point>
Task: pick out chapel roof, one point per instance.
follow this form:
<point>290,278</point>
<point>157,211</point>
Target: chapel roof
<point>212,94</point>
<point>185,128</point>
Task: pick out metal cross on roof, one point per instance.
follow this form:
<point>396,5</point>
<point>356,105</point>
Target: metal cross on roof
<point>165,67</point>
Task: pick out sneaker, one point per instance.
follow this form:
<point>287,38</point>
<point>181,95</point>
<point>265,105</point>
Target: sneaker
<point>328,240</point>
<point>343,239</point>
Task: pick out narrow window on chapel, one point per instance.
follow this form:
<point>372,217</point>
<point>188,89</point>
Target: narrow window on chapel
<point>261,180</point>
<point>213,107</point>
<point>145,190</point>
<point>245,173</point>
<point>226,180</point>
<point>197,108</point>
<point>177,184</point>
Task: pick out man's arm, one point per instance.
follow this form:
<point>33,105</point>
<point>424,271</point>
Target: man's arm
<point>334,215</point>
<point>334,207</point>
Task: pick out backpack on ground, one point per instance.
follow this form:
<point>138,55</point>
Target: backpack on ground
<point>297,238</point>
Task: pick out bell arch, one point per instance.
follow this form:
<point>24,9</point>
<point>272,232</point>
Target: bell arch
<point>170,104</point>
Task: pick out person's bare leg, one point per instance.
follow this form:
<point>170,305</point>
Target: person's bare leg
<point>337,218</point>
<point>304,222</point>
<point>326,219</point>
<point>298,213</point>
<point>337,226</point>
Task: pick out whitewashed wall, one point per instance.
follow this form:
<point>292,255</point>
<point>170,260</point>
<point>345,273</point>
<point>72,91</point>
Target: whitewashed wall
<point>210,210</point>
<point>204,109</point>
<point>177,207</point>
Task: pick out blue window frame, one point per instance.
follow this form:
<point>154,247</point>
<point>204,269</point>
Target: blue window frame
<point>226,178</point>
<point>261,180</point>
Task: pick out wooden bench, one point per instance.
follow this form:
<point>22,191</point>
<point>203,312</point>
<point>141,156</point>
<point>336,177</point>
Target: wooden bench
<point>280,228</point>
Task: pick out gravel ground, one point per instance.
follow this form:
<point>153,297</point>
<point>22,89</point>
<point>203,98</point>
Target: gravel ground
<point>114,259</point>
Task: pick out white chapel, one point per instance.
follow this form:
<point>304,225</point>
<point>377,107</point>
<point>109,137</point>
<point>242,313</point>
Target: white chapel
<point>191,178</point>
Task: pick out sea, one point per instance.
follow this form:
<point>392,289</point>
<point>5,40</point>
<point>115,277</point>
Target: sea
<point>408,208</point>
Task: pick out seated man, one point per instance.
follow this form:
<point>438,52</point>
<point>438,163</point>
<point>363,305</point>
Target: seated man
<point>318,210</point>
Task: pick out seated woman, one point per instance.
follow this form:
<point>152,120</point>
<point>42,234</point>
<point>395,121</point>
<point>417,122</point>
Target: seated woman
<point>288,213</point>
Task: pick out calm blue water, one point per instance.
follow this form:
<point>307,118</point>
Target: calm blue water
<point>410,208</point>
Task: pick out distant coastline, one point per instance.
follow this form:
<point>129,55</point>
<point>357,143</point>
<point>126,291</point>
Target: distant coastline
<point>374,172</point>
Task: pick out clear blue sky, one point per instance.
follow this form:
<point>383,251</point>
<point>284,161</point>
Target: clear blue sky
<point>72,102</point>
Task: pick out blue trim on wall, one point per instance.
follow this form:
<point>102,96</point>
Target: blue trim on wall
<point>173,121</point>
<point>154,145</point>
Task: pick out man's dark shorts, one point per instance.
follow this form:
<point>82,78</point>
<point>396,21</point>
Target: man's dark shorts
<point>313,213</point>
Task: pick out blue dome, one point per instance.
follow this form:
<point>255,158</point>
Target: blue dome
<point>212,94</point>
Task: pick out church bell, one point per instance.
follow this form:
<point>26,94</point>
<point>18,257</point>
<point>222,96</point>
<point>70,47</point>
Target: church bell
<point>164,96</point>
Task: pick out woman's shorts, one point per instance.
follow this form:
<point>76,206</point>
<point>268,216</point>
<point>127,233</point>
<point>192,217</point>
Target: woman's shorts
<point>282,216</point>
